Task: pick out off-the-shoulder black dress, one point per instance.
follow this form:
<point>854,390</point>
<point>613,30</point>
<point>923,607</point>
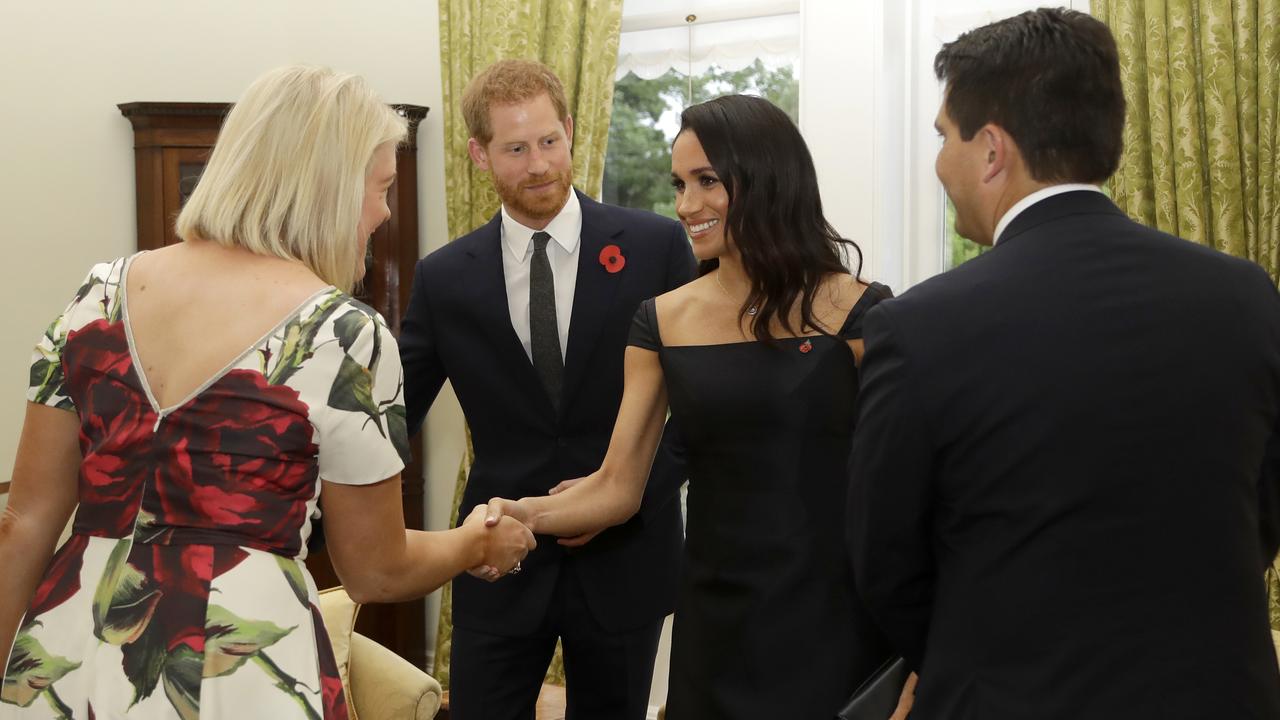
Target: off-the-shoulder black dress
<point>768,624</point>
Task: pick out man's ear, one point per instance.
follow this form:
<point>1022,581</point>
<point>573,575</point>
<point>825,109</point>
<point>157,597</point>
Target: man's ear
<point>478,154</point>
<point>568,129</point>
<point>998,145</point>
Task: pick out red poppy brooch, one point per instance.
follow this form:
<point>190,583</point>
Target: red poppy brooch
<point>611,258</point>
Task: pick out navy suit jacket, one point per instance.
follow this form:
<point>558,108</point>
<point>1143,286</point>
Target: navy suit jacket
<point>458,327</point>
<point>1064,477</point>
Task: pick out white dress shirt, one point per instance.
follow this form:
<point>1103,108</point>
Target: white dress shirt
<point>1034,198</point>
<point>565,230</point>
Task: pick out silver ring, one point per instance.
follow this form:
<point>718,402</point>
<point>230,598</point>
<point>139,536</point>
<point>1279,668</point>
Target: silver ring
<point>515,570</point>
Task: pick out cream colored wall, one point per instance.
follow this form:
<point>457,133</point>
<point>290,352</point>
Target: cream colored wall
<point>66,153</point>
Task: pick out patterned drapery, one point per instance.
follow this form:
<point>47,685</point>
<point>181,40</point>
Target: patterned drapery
<point>1202,80</point>
<point>1202,135</point>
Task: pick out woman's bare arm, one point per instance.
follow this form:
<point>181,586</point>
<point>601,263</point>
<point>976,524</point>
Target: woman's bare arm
<point>42,495</point>
<point>378,560</point>
<point>612,494</point>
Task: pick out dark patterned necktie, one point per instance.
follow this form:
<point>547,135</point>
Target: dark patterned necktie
<point>544,332</point>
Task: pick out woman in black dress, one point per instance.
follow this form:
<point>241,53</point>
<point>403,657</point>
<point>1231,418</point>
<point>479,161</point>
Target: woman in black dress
<point>758,361</point>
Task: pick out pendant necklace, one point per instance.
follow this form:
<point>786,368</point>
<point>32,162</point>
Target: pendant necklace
<point>750,310</point>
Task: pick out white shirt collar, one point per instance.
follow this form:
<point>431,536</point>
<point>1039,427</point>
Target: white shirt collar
<point>1034,198</point>
<point>565,229</point>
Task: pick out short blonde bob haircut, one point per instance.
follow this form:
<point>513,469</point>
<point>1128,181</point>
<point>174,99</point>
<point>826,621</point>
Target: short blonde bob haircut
<point>287,175</point>
<point>508,82</point>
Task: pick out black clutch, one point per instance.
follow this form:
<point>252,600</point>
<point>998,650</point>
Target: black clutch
<point>878,696</point>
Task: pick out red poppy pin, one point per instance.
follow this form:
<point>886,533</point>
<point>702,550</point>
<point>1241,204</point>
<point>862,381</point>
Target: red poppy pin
<point>806,346</point>
<point>611,258</point>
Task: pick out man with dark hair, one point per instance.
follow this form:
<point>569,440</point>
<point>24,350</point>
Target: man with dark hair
<point>527,316</point>
<point>1064,477</point>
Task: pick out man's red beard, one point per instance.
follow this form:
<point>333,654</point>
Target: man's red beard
<point>540,207</point>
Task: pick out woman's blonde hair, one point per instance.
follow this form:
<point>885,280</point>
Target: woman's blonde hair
<point>287,175</point>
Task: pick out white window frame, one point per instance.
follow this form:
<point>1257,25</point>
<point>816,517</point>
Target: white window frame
<point>873,140</point>
<point>868,97</point>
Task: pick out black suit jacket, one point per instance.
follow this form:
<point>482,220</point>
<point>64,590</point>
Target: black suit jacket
<point>1063,489</point>
<point>458,327</point>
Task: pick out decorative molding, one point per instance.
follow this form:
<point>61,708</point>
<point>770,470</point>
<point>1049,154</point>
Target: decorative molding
<point>216,109</point>
<point>414,114</point>
<point>209,115</point>
<point>155,123</point>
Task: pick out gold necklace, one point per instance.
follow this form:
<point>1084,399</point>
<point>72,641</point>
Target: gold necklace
<point>750,311</point>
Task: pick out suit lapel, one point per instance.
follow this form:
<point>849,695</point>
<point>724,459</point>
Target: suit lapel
<point>594,293</point>
<point>489,298</point>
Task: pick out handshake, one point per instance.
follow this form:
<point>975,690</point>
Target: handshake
<point>504,538</point>
<point>505,531</point>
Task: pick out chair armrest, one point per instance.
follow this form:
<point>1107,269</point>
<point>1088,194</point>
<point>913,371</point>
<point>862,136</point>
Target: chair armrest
<point>385,686</point>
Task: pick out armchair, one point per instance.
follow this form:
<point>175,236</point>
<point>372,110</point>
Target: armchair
<point>379,684</point>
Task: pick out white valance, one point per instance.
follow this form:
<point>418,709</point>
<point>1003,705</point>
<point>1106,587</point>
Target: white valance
<point>731,45</point>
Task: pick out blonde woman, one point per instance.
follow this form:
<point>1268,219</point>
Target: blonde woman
<point>201,403</point>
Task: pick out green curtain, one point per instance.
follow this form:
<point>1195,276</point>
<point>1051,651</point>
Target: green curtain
<point>1201,138</point>
<point>1202,80</point>
<point>579,40</point>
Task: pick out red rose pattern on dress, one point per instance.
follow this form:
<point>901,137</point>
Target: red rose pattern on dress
<point>182,500</point>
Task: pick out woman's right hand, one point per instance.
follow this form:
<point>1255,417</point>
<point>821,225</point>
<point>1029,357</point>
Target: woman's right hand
<point>506,541</point>
<point>500,508</point>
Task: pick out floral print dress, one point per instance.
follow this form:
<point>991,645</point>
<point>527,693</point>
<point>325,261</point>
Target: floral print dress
<point>182,592</point>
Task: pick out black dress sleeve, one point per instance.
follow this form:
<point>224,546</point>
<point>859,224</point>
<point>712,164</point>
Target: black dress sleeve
<point>644,327</point>
<point>872,296</point>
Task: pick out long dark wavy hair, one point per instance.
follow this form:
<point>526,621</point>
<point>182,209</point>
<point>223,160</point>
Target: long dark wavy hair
<point>775,215</point>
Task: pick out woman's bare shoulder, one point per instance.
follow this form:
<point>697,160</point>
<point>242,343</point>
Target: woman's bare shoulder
<point>845,290</point>
<point>678,301</point>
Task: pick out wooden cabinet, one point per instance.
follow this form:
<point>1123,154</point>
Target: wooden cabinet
<point>171,143</point>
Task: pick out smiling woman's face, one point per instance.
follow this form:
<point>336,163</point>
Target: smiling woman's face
<point>701,200</point>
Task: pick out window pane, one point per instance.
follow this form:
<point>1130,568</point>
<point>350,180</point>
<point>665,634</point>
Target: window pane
<point>959,250</point>
<point>646,118</point>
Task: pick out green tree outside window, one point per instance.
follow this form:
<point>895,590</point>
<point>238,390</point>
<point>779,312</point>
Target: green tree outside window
<point>959,250</point>
<point>646,117</point>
